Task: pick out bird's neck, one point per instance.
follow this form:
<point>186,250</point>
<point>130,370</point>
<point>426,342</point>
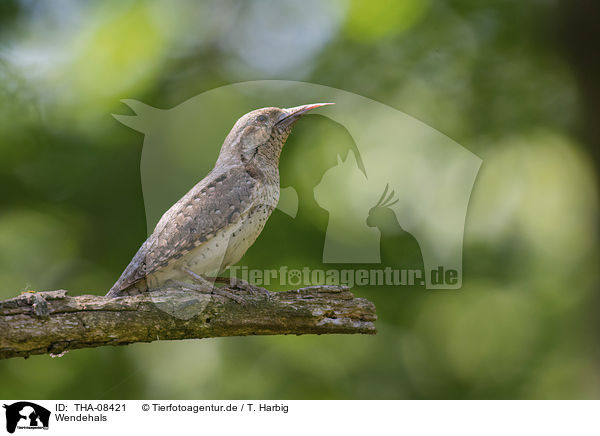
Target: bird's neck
<point>262,161</point>
<point>265,171</point>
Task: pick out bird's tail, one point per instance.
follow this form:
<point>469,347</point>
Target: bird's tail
<point>137,288</point>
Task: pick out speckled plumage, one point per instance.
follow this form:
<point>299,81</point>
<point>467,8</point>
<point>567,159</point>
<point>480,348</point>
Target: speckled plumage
<point>212,226</point>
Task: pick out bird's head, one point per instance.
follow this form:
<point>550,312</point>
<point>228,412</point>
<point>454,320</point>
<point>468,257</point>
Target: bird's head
<point>260,135</point>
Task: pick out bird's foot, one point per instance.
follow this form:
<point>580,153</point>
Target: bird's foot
<point>205,286</point>
<point>243,285</point>
<point>212,290</point>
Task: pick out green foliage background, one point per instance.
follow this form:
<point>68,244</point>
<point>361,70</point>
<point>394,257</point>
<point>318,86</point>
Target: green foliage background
<point>490,75</point>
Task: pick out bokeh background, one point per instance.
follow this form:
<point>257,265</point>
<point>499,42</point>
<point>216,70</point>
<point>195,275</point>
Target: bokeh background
<point>514,82</point>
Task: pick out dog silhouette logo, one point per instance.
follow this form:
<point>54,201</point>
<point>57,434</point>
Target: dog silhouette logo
<point>26,415</point>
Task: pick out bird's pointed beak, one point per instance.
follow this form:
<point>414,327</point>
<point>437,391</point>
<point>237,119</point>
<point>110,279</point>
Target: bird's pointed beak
<point>292,114</point>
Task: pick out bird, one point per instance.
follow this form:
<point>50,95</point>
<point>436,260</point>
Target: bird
<point>213,225</point>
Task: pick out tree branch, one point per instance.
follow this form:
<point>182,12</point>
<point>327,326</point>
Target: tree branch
<point>53,322</point>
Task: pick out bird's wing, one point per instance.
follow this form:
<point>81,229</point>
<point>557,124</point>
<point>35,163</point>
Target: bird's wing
<point>216,201</point>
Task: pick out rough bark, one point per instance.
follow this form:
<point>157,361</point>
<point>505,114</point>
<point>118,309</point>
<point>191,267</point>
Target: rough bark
<point>53,322</point>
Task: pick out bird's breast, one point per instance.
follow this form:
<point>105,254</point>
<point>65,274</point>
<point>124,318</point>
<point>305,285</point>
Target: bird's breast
<point>249,228</point>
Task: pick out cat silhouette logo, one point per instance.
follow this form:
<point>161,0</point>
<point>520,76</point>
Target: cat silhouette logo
<point>26,415</point>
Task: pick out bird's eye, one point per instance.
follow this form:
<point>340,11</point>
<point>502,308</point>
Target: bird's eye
<point>261,118</point>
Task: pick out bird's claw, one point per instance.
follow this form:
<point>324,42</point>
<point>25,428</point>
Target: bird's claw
<point>243,285</point>
<point>201,284</point>
<point>210,289</point>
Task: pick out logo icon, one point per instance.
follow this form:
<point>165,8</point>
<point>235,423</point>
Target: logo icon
<point>426,175</point>
<point>26,415</point>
